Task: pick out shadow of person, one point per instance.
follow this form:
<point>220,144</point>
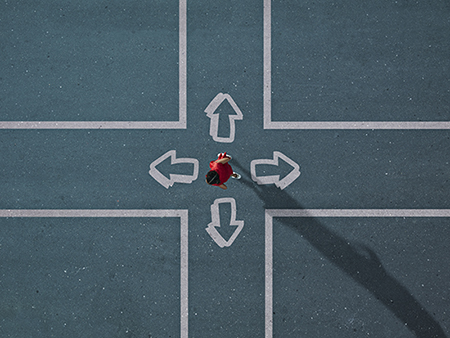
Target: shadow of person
<point>355,259</point>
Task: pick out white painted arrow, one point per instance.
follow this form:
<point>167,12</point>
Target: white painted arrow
<point>174,178</point>
<point>215,218</point>
<point>275,179</point>
<point>214,123</point>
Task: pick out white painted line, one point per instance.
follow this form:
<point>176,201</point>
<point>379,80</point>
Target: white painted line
<point>267,64</point>
<point>358,212</point>
<point>214,122</point>
<point>269,276</point>
<point>328,125</point>
<point>359,125</point>
<point>181,213</point>
<point>182,119</point>
<point>271,213</point>
<point>93,213</point>
<point>91,125</point>
<point>182,63</point>
<point>184,271</point>
<point>174,178</point>
<point>275,179</point>
<point>215,222</point>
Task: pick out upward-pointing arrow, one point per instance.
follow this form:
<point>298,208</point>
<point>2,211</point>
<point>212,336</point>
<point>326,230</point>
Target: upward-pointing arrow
<point>168,182</point>
<point>214,123</point>
<point>275,179</point>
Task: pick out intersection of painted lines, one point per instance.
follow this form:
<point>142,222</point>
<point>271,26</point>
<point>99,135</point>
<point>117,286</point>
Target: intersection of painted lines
<point>267,97</point>
<point>280,125</point>
<point>316,213</point>
<point>182,80</point>
<point>143,213</point>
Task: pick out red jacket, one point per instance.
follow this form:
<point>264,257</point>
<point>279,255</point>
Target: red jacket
<point>224,171</point>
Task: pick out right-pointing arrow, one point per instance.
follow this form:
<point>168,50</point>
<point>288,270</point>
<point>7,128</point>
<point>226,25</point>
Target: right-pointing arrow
<point>275,179</point>
<point>168,182</point>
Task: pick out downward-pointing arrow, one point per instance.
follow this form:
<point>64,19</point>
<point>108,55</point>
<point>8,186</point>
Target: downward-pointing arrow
<point>275,179</point>
<point>215,218</point>
<point>214,123</point>
<point>174,178</point>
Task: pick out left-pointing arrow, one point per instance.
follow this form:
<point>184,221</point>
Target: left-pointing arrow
<point>174,178</point>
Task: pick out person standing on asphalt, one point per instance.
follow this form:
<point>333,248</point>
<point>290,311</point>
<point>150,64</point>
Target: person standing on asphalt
<point>220,171</point>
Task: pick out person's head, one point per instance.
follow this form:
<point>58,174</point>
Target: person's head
<point>212,177</point>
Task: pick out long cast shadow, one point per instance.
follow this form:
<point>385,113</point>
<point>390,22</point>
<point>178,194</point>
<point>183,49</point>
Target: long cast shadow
<point>355,259</point>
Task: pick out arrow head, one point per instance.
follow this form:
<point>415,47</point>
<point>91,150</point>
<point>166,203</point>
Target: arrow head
<point>217,101</point>
<point>174,178</point>
<point>292,176</point>
<point>275,179</point>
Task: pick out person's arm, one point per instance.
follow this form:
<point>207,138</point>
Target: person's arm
<point>223,160</point>
<point>223,186</point>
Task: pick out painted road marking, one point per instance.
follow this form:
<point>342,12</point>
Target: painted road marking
<point>181,213</point>
<point>267,64</point>
<point>93,124</point>
<point>271,213</point>
<point>358,125</point>
<point>267,97</point>
<point>275,179</point>
<point>182,64</point>
<point>214,123</point>
<point>215,218</point>
<point>182,119</point>
<point>174,178</point>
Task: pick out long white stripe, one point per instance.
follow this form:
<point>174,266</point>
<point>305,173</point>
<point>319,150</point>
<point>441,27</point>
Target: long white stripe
<point>184,271</point>
<point>92,213</point>
<point>330,125</point>
<point>267,60</point>
<point>358,212</point>
<point>91,125</point>
<point>269,277</point>
<point>182,56</point>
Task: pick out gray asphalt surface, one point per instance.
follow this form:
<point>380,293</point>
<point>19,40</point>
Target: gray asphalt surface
<point>120,277</point>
